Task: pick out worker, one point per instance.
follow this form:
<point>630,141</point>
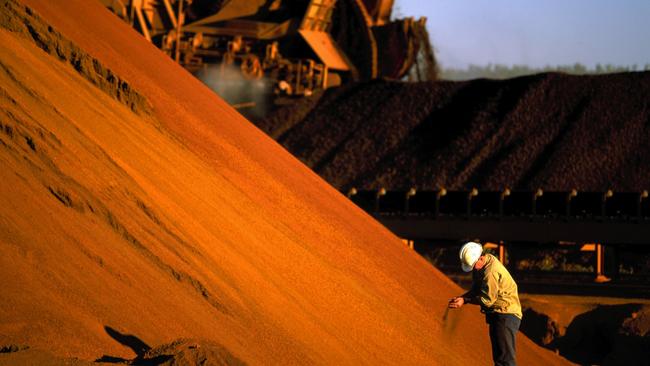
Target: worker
<point>496,292</point>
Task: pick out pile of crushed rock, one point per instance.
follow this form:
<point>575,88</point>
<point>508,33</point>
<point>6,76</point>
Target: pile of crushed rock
<point>553,131</point>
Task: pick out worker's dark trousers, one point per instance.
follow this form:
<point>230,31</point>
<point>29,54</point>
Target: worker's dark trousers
<point>503,329</point>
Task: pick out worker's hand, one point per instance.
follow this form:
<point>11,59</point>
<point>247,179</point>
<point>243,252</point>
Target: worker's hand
<point>456,302</point>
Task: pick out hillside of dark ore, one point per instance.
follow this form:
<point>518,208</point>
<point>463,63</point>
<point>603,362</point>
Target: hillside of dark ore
<point>553,131</point>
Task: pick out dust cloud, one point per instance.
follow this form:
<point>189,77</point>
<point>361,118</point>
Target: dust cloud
<point>249,96</point>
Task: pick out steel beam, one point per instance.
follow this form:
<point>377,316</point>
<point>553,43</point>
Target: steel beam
<point>512,229</point>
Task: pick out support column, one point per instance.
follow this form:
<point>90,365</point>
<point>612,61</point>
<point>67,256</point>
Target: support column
<point>409,243</point>
<point>600,264</point>
<point>502,253</point>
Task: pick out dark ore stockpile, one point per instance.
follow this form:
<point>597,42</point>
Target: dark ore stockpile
<point>553,131</point>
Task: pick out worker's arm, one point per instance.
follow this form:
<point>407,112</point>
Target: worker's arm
<point>469,297</point>
<point>472,296</point>
<point>489,290</point>
<point>485,293</point>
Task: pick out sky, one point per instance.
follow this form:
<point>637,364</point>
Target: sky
<point>535,33</point>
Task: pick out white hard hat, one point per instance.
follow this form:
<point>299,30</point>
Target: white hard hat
<point>469,254</point>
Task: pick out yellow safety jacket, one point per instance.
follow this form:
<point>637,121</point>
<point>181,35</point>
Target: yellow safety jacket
<point>494,289</point>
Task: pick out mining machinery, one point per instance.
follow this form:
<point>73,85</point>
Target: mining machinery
<point>300,45</point>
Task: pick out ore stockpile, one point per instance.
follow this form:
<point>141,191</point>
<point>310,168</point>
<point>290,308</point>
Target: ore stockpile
<point>144,221</point>
<point>554,131</point>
